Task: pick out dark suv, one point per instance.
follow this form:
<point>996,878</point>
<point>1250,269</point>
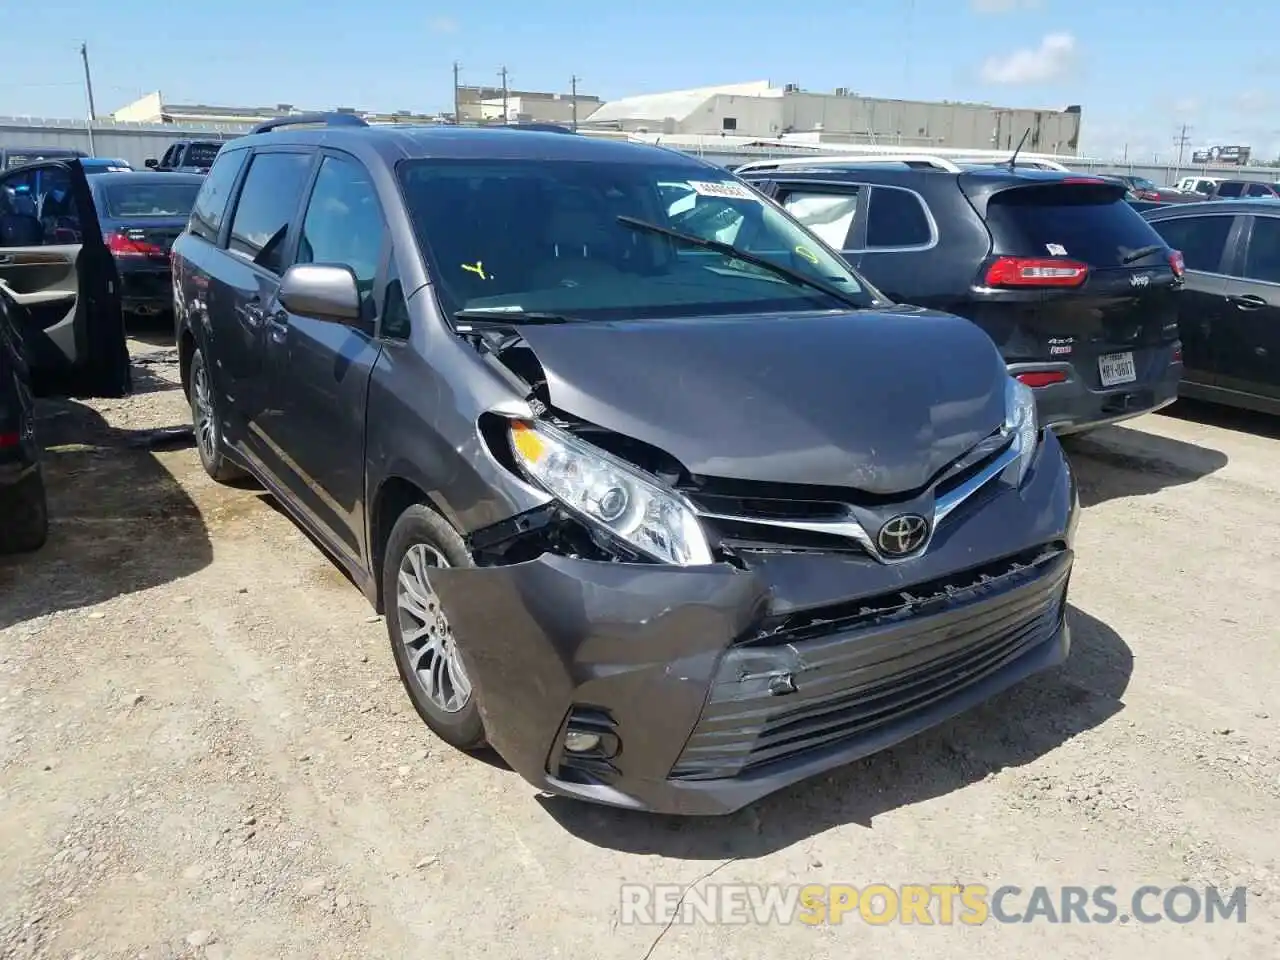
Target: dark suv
<point>187,156</point>
<point>1075,288</point>
<point>660,498</point>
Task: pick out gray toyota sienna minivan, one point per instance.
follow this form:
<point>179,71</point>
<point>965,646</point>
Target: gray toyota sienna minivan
<point>661,499</point>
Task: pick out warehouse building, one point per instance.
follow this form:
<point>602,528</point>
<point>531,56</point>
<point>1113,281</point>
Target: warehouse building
<point>487,104</point>
<point>791,114</point>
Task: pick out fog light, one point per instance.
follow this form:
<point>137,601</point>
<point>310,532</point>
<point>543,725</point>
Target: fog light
<point>578,742</point>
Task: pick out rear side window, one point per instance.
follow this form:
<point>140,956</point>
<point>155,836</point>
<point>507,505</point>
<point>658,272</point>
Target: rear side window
<point>267,206</point>
<point>829,215</point>
<point>1092,224</point>
<point>1259,190</point>
<point>896,218</point>
<point>1201,240</point>
<point>211,203</point>
<point>1263,259</point>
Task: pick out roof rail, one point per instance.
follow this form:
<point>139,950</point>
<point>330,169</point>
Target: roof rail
<point>852,160</point>
<point>1038,163</point>
<point>539,127</point>
<point>299,119</point>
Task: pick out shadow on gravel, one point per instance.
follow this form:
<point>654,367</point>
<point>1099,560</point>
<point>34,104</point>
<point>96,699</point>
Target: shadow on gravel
<point>1225,418</point>
<point>1013,729</point>
<point>119,522</point>
<point>1121,461</point>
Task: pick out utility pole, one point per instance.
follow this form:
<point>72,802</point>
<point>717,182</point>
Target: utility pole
<point>457,96</point>
<point>88,89</point>
<point>573,99</point>
<point>505,96</point>
<point>1180,141</point>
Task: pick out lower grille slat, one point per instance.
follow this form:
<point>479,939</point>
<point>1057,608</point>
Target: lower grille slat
<point>860,679</point>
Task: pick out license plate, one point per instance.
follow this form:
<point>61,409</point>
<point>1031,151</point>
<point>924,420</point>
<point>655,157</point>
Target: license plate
<point>1116,368</point>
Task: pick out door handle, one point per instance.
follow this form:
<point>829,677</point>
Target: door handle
<point>6,258</point>
<point>1247,301</point>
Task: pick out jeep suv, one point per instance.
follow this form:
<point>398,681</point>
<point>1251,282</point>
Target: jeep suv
<point>187,156</point>
<point>1076,289</point>
<point>645,477</point>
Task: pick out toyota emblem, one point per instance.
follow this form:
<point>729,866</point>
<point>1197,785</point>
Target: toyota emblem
<point>903,535</point>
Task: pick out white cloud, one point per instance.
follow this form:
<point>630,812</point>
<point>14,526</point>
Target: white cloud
<point>1003,6</point>
<point>1051,60</point>
<point>444,25</point>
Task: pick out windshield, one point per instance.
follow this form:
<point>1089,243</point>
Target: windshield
<point>544,236</point>
<point>201,154</point>
<point>134,200</point>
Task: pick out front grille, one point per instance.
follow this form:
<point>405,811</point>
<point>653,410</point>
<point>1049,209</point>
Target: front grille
<point>747,517</point>
<point>852,681</point>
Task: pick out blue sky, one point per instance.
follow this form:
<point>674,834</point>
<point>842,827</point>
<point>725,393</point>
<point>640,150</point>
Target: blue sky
<point>1139,71</point>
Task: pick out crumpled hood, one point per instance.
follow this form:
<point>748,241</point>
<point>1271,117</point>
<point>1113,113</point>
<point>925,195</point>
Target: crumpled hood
<point>874,401</point>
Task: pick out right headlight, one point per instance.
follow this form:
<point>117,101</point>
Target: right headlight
<point>1020,420</point>
<point>633,507</point>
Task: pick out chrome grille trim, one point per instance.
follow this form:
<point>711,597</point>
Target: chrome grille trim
<point>850,529</point>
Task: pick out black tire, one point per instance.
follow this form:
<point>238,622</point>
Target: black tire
<point>25,526</point>
<point>205,423</point>
<point>421,526</point>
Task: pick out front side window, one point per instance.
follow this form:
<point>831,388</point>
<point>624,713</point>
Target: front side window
<point>1231,189</point>
<point>344,223</point>
<point>1259,190</point>
<point>210,205</point>
<point>829,215</point>
<point>268,202</point>
<point>585,239</point>
<point>1201,239</point>
<point>1262,262</point>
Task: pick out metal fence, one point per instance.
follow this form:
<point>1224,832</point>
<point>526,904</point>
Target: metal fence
<point>135,142</point>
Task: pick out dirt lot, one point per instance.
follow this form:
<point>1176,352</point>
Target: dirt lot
<point>205,752</point>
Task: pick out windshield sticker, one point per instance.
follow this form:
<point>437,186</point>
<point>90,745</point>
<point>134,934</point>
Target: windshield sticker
<point>477,268</point>
<point>723,189</point>
<point>1056,249</point>
<point>807,254</point>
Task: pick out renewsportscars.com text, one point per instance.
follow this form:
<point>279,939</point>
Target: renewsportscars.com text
<point>938,904</point>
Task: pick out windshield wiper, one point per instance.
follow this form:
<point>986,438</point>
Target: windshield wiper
<point>512,318</point>
<point>729,250</point>
<point>1142,252</point>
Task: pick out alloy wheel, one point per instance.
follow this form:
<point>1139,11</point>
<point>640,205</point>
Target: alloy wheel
<point>425,632</point>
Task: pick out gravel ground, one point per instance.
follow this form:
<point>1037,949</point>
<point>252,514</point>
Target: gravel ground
<point>205,751</point>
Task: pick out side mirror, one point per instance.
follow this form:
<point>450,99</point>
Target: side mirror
<point>321,291</point>
<point>151,163</point>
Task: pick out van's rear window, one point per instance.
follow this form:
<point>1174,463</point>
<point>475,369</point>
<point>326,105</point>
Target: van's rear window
<point>1093,224</point>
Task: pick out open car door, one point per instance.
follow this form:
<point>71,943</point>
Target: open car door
<point>60,281</point>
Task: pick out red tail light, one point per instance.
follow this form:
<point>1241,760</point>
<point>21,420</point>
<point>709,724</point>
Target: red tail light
<point>1179,265</point>
<point>1042,378</point>
<point>121,245</point>
<point>10,440</point>
<point>1034,272</point>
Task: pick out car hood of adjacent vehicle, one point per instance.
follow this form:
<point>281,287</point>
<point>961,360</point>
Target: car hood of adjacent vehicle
<point>877,401</point>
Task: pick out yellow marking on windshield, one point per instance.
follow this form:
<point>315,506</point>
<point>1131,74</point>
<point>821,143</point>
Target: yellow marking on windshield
<point>478,269</point>
<point>807,254</point>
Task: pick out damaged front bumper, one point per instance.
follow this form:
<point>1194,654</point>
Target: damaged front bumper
<point>710,687</point>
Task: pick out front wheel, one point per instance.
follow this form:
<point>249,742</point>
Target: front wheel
<point>207,426</point>
<point>422,640</point>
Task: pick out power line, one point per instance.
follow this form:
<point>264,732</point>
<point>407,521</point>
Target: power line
<point>505,111</point>
<point>573,98</point>
<point>1180,141</point>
